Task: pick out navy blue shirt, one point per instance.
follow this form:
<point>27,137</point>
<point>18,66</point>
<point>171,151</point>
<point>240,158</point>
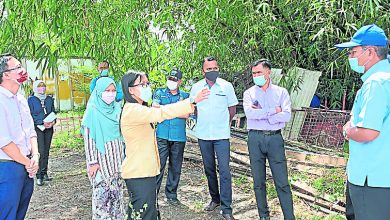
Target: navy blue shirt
<point>173,129</point>
<point>37,108</point>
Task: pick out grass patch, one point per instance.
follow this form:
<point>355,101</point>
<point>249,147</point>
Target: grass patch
<point>66,139</point>
<point>77,112</point>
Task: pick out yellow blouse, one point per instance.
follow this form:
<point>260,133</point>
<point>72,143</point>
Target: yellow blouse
<point>142,158</point>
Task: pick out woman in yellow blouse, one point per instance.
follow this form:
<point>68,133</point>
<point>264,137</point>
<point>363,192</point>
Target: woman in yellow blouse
<point>142,163</point>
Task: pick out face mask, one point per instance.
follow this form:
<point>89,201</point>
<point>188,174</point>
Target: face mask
<point>22,77</point>
<point>146,94</point>
<point>259,80</point>
<point>108,97</point>
<point>41,90</point>
<point>212,75</point>
<point>104,72</point>
<point>172,85</point>
<point>354,64</point>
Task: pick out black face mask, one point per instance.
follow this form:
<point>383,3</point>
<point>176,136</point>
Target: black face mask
<point>212,75</point>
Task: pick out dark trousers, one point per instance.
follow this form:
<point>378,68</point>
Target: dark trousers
<point>143,197</point>
<point>16,189</point>
<point>271,147</point>
<point>220,148</point>
<point>174,150</point>
<point>371,203</point>
<point>44,141</point>
<point>349,213</point>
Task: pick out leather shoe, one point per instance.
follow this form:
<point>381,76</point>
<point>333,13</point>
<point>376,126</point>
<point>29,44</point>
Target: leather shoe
<point>228,217</point>
<point>40,182</point>
<point>173,201</point>
<point>211,206</point>
<point>47,178</point>
<point>265,218</point>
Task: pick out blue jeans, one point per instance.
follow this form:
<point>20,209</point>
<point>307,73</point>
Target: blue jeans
<point>16,189</point>
<point>220,148</point>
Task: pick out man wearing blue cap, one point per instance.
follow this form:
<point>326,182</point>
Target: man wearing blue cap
<point>171,135</point>
<point>368,130</point>
<point>103,69</point>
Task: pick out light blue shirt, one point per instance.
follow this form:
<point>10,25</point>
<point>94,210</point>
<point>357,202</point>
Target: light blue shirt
<point>371,110</point>
<point>213,119</point>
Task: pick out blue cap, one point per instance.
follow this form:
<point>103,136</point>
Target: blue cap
<point>367,35</point>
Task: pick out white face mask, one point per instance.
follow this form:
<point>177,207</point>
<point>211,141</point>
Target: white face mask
<point>108,97</point>
<point>172,85</point>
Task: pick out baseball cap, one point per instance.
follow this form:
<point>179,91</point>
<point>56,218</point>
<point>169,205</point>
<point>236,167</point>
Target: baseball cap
<point>367,35</point>
<point>176,73</point>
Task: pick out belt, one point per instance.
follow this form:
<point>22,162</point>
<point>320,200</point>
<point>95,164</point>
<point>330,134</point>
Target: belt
<point>265,132</point>
<point>5,160</point>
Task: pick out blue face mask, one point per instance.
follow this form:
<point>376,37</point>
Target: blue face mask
<point>354,64</point>
<point>259,80</point>
<point>146,93</point>
<point>104,72</point>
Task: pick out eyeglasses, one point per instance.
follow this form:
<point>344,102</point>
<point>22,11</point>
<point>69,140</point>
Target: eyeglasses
<point>172,78</point>
<point>143,85</point>
<point>8,70</point>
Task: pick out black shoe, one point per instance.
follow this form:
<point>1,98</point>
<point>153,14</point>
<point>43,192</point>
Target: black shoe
<point>173,201</point>
<point>211,206</point>
<point>228,217</point>
<point>40,182</point>
<point>47,178</point>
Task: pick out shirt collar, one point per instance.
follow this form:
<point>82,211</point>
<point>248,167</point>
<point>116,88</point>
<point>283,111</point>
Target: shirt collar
<point>168,91</point>
<point>6,92</point>
<point>375,68</point>
<point>270,87</point>
<point>217,82</point>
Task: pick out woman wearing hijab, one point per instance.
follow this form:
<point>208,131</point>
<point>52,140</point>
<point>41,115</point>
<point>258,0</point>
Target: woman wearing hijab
<point>41,106</point>
<point>142,164</point>
<point>104,150</point>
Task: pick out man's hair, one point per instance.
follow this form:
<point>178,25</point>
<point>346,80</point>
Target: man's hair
<point>382,51</point>
<point>209,58</point>
<point>105,61</point>
<point>4,58</point>
<point>263,62</point>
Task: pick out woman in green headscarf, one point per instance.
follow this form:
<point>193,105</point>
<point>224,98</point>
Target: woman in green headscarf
<point>104,148</point>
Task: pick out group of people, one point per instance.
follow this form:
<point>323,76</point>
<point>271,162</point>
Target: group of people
<point>134,141</point>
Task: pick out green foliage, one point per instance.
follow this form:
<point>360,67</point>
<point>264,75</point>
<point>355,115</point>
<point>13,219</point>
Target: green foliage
<point>65,139</point>
<point>290,33</point>
<point>271,190</point>
<point>332,183</point>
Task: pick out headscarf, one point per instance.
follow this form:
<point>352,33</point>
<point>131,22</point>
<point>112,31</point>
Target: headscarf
<point>40,96</point>
<point>102,119</point>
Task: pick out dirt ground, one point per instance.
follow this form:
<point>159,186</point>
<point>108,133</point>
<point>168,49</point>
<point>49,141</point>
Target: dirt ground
<point>68,196</point>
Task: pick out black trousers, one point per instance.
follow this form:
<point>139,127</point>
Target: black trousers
<point>271,147</point>
<point>44,142</point>
<point>143,198</point>
<point>371,203</point>
<point>349,213</point>
<point>174,150</point>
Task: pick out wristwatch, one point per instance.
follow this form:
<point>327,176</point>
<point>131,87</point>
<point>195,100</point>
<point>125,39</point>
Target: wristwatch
<point>192,100</point>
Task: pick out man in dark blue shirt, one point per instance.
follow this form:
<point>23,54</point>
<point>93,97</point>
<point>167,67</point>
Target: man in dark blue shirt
<point>171,135</point>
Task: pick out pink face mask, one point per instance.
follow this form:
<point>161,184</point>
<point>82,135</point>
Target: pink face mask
<point>108,97</point>
<point>41,90</point>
